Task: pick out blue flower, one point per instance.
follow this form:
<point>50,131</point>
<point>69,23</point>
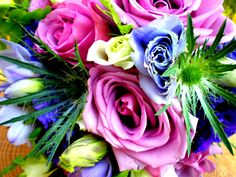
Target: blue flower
<point>101,169</point>
<point>47,118</point>
<point>205,135</point>
<point>156,47</point>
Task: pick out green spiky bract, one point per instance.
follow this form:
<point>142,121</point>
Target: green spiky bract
<point>196,71</point>
<point>66,83</point>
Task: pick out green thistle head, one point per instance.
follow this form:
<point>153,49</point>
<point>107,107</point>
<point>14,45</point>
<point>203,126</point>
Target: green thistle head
<point>196,72</point>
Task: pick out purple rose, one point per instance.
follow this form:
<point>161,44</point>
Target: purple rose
<point>118,110</point>
<point>70,22</point>
<point>207,14</point>
<point>156,46</point>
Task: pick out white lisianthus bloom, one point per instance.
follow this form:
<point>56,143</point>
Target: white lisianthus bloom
<point>116,52</point>
<point>35,167</point>
<point>18,132</point>
<point>24,87</point>
<point>229,79</point>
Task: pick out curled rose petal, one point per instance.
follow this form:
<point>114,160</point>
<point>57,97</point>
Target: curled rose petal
<point>118,110</point>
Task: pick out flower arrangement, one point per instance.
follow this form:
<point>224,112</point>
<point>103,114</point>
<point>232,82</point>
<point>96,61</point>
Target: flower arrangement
<point>102,88</point>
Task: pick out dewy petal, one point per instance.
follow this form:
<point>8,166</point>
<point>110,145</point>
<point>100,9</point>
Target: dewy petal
<point>9,112</point>
<point>18,133</point>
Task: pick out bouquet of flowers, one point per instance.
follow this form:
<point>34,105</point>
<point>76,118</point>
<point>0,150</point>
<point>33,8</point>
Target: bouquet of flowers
<point>102,88</point>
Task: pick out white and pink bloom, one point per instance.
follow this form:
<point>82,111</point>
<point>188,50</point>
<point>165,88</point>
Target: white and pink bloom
<point>118,110</point>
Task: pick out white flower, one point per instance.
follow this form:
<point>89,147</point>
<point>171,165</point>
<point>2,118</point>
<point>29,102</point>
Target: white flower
<point>114,52</point>
<point>18,132</point>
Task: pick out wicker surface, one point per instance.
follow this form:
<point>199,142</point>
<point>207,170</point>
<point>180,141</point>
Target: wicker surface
<point>9,152</point>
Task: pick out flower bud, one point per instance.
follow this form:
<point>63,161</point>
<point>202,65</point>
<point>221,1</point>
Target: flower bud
<point>35,167</point>
<point>84,152</point>
<point>229,79</point>
<point>18,133</point>
<point>24,87</point>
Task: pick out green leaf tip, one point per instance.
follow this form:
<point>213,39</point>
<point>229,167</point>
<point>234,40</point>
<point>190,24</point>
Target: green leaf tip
<point>124,28</point>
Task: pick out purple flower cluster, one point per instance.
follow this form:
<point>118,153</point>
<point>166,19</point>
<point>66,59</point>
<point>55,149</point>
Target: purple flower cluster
<point>48,118</point>
<point>205,135</point>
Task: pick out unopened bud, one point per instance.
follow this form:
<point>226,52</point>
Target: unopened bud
<point>84,152</point>
<point>23,87</point>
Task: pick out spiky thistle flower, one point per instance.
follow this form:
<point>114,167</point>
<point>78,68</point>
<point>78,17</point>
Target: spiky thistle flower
<point>195,72</point>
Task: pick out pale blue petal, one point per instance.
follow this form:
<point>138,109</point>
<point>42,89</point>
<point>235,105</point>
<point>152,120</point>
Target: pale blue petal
<point>18,133</point>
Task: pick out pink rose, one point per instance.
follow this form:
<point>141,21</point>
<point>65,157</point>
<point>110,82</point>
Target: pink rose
<point>36,4</point>
<point>118,110</point>
<point>207,14</point>
<point>70,22</point>
<point>197,163</point>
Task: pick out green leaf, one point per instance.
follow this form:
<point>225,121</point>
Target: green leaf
<point>3,46</point>
<point>34,114</point>
<point>163,109</point>
<point>188,124</point>
<point>213,119</point>
<point>217,40</point>
<point>80,62</point>
<point>16,162</point>
<point>35,133</point>
<point>37,14</point>
<point>191,41</point>
<point>29,98</point>
<point>170,71</point>
<point>222,92</point>
<point>123,174</point>
<point>124,29</point>
<point>26,65</point>
<point>225,51</point>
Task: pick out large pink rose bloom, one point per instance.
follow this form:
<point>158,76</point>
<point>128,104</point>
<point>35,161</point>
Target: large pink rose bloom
<point>71,22</point>
<point>118,110</point>
<point>36,4</point>
<point>207,14</point>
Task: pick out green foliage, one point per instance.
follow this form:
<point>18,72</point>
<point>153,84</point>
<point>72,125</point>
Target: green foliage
<point>62,83</point>
<point>124,28</point>
<point>196,71</point>
<point>18,14</point>
<point>190,35</point>
<point>16,162</point>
